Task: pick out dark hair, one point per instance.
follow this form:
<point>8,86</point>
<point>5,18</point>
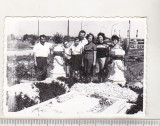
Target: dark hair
<point>65,42</point>
<point>82,31</point>
<point>115,37</point>
<point>42,36</point>
<point>101,34</point>
<point>90,34</point>
<point>76,38</point>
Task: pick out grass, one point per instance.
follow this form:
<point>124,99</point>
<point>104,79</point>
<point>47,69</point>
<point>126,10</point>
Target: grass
<point>134,72</point>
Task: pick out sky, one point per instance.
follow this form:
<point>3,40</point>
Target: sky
<point>50,26</point>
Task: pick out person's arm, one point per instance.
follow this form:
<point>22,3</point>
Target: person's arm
<point>94,55</point>
<point>59,62</point>
<point>51,48</point>
<point>34,55</point>
<point>94,60</point>
<point>71,52</point>
<point>35,61</point>
<point>83,53</point>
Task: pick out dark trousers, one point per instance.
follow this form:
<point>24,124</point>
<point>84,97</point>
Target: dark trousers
<point>88,64</point>
<point>41,68</point>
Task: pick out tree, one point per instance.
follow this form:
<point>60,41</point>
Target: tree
<point>58,38</point>
<point>25,37</point>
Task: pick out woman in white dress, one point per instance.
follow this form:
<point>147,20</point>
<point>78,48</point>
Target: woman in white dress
<point>117,67</point>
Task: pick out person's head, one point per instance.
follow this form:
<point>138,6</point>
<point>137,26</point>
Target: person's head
<point>82,34</point>
<point>76,41</point>
<point>101,37</point>
<point>90,37</point>
<point>115,39</point>
<point>42,39</point>
<point>66,44</point>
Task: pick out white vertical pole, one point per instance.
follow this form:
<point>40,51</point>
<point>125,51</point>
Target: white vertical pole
<point>38,26</point>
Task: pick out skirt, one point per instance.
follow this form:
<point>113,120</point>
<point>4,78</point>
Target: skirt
<point>76,61</point>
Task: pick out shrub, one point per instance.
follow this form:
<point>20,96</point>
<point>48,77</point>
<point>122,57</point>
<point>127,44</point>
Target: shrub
<point>25,67</point>
<point>23,102</point>
<point>20,67</point>
<point>69,81</point>
<point>51,90</point>
<point>137,107</point>
<point>58,38</point>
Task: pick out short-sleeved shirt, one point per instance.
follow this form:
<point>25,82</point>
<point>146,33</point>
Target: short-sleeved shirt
<point>42,50</point>
<point>67,52</point>
<point>102,50</point>
<point>76,50</point>
<point>83,42</point>
<point>89,50</point>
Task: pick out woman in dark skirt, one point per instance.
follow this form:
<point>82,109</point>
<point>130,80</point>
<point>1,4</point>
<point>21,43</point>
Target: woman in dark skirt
<point>89,57</point>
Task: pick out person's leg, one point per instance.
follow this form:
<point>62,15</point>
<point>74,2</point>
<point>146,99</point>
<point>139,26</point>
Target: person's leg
<point>80,69</point>
<point>98,69</point>
<point>102,62</point>
<point>89,69</point>
<point>101,72</point>
<point>106,69</point>
<point>85,69</point>
<point>67,67</point>
<point>73,65</point>
<point>38,69</point>
<point>95,70</point>
<point>67,70</point>
<point>44,67</point>
<point>76,66</point>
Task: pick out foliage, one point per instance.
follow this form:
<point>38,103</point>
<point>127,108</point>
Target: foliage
<point>23,45</point>
<point>137,107</point>
<point>58,38</point>
<point>66,38</point>
<point>24,72</point>
<point>20,67</point>
<point>50,90</point>
<point>138,104</point>
<point>24,102</point>
<point>25,67</point>
<point>30,37</point>
<point>69,81</point>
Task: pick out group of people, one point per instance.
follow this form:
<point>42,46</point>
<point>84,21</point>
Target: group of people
<point>85,58</point>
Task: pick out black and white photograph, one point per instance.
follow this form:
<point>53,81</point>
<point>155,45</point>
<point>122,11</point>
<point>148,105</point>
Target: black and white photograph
<point>74,67</point>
